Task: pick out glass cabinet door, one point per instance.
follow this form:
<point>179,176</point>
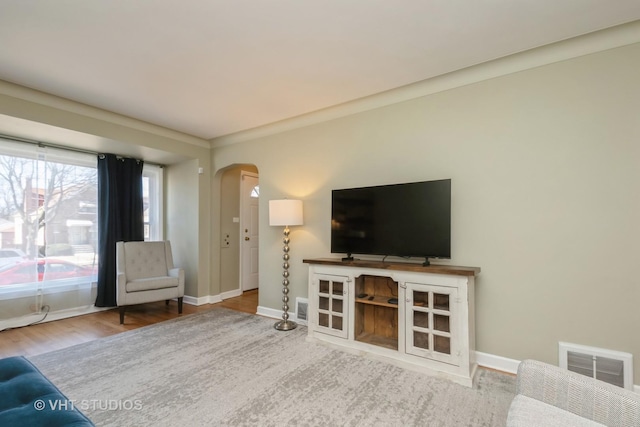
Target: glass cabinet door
<point>430,328</point>
<point>331,301</point>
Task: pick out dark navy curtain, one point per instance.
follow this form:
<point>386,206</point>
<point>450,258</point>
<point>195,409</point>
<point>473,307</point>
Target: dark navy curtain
<point>120,217</point>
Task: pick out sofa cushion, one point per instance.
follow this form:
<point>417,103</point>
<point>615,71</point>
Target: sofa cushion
<point>526,411</point>
<point>28,398</point>
<point>152,283</point>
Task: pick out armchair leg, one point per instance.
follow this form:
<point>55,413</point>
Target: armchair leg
<point>166,302</point>
<point>180,305</point>
<point>121,314</point>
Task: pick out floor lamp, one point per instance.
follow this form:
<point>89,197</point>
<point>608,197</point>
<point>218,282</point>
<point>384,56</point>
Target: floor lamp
<point>285,213</point>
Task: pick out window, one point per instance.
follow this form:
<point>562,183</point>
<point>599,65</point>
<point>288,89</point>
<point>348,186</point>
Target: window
<point>152,177</point>
<point>49,229</point>
<point>48,216</point>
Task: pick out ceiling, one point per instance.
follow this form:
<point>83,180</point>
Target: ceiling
<point>210,68</point>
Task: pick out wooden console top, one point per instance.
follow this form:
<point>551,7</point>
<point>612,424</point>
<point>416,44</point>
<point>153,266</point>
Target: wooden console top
<point>399,266</point>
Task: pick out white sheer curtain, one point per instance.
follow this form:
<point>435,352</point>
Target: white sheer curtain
<point>48,200</point>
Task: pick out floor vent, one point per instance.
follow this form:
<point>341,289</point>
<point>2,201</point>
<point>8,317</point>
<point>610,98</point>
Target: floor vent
<point>302,310</point>
<point>613,367</point>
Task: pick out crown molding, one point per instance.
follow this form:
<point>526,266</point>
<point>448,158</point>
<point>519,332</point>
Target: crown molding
<point>31,95</point>
<point>598,41</point>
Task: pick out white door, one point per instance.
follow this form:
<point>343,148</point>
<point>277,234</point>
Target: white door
<point>249,197</point>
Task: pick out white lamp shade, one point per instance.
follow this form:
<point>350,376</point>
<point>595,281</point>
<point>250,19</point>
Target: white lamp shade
<point>285,212</point>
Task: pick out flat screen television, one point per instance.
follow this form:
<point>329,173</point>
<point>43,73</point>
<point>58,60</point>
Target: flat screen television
<point>404,220</point>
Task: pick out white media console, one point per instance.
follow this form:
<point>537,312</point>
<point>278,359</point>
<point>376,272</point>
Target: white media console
<point>419,317</point>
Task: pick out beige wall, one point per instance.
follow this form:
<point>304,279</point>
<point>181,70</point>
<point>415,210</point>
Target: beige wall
<point>181,198</point>
<point>545,166</point>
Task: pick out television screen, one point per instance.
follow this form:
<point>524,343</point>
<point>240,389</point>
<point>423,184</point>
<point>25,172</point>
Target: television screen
<point>405,220</point>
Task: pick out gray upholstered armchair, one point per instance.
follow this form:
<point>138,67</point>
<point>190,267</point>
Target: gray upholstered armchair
<point>549,396</point>
<point>145,273</point>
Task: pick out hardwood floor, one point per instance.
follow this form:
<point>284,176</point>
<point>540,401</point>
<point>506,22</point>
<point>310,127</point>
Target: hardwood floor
<point>49,336</point>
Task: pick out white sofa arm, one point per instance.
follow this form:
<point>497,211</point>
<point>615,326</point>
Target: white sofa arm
<point>121,289</point>
<point>581,395</point>
<point>179,273</point>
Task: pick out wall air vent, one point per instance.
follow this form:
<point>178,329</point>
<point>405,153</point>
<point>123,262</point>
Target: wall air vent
<point>302,310</point>
<point>613,367</point>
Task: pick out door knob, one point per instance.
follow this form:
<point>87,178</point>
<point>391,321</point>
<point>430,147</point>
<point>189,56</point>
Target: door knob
<point>247,238</point>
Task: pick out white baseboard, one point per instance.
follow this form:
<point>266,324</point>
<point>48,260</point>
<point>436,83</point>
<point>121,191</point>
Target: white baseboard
<point>499,363</point>
<point>209,299</point>
<point>26,320</point>
<point>275,314</point>
<point>231,294</point>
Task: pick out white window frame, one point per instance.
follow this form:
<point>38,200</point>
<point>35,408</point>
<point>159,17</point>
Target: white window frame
<point>155,174</point>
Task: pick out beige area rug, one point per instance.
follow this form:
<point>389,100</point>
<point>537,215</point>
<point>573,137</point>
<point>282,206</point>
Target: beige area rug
<point>225,368</point>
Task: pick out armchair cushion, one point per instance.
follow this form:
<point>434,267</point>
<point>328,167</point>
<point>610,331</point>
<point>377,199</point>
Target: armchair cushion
<point>548,395</point>
<point>527,411</point>
<point>151,283</point>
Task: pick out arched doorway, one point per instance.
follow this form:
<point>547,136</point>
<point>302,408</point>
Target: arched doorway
<point>239,196</point>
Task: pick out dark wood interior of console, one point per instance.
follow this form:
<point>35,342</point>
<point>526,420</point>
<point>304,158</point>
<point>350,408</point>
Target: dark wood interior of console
<point>376,319</point>
<point>400,266</point>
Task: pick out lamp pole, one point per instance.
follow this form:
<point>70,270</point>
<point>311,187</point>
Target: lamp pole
<point>285,324</point>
